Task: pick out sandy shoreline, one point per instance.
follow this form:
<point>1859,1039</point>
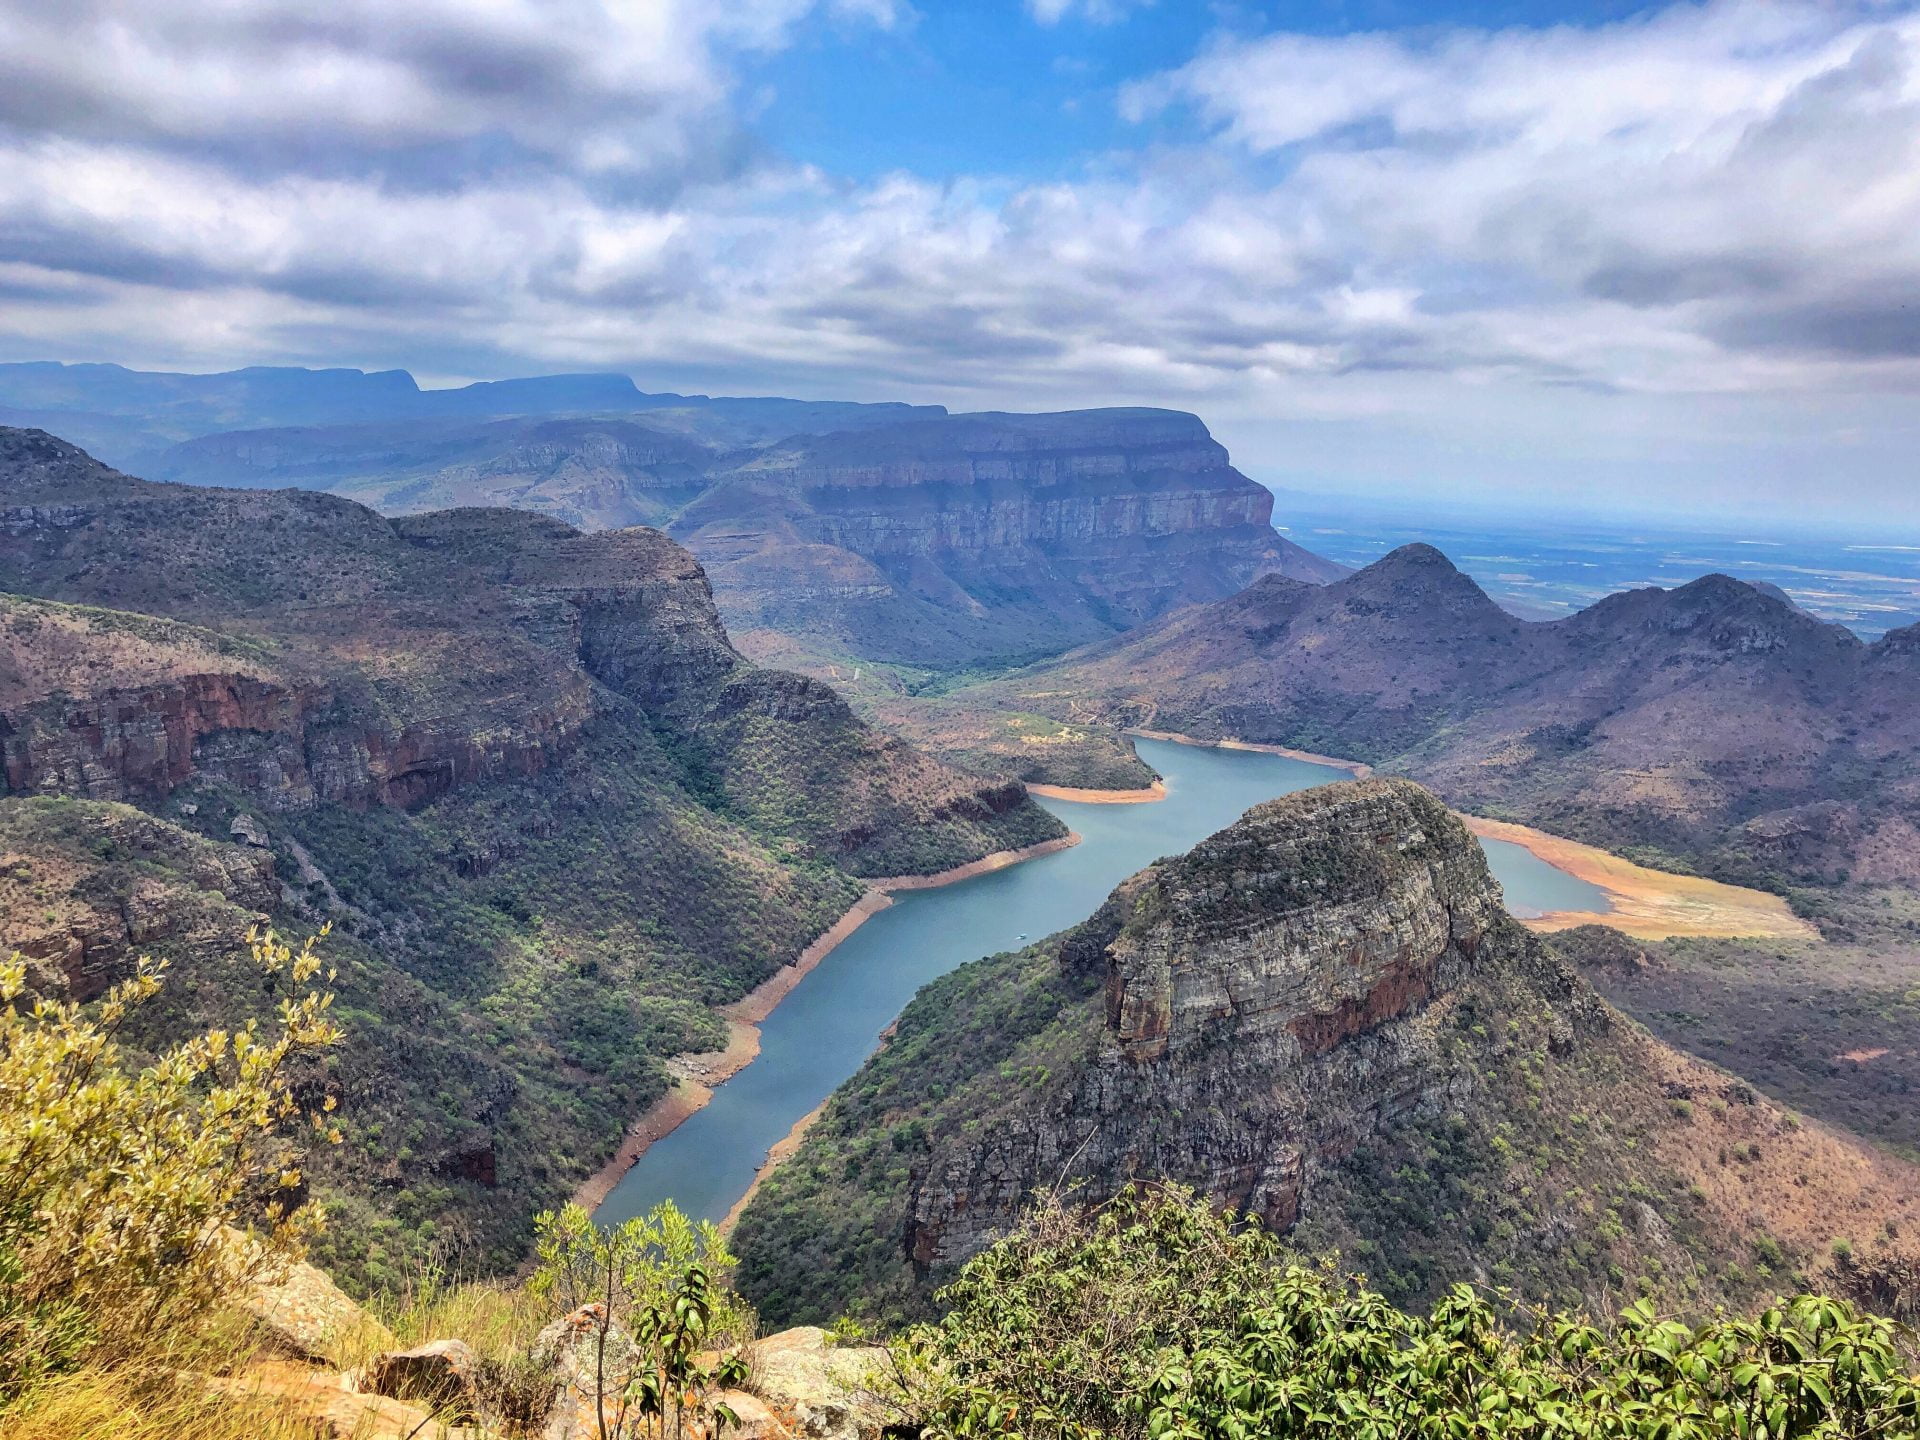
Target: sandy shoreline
<point>1355,768</point>
<point>1646,904</point>
<point>1650,904</point>
<point>1155,791</point>
<point>695,1076</point>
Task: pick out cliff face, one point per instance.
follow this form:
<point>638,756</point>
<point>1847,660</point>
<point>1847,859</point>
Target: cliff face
<point>1713,716</point>
<point>887,532</point>
<point>553,814</point>
<point>1323,1017</point>
<point>1260,1016</point>
<point>958,537</point>
<point>332,656</point>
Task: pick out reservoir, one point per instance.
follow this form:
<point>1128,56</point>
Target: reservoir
<point>830,1024</point>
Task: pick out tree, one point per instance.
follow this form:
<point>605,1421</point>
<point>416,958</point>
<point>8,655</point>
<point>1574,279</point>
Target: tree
<point>652,1292</point>
<point>1156,1317</point>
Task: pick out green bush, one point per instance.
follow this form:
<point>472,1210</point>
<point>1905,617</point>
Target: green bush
<point>1156,1318</point>
<point>120,1189</point>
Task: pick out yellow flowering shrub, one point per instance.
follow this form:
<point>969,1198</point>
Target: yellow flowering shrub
<point>120,1186</point>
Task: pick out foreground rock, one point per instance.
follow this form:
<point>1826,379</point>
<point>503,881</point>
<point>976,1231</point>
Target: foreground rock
<point>442,1375</point>
<point>824,1391</point>
<point>303,1315</point>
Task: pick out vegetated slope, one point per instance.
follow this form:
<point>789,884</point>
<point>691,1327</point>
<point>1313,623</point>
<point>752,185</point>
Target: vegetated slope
<point>1323,1016</point>
<point>1714,721</point>
<point>553,814</point>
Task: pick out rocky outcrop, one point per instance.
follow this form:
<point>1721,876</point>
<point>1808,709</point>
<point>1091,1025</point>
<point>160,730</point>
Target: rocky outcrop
<point>1321,1017</point>
<point>79,937</point>
<point>314,653</point>
<point>1261,1003</point>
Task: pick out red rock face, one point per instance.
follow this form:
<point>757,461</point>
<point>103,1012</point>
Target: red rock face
<point>283,744</point>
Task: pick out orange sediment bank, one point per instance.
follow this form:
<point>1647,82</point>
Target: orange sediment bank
<point>695,1076</point>
<point>1650,904</point>
<point>1155,791</point>
<point>1355,768</point>
<point>781,1152</point>
<point>986,865</point>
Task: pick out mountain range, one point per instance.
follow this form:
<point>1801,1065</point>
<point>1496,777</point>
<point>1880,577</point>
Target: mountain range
<point>832,530</point>
<point>1714,723</point>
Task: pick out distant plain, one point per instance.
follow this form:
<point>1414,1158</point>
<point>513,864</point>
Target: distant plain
<point>1540,568</point>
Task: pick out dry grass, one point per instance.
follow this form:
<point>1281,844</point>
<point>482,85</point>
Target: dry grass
<point>142,1403</point>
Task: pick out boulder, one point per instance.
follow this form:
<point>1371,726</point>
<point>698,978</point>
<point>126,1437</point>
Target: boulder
<point>570,1350</point>
<point>303,1314</point>
<point>829,1391</point>
<point>440,1375</point>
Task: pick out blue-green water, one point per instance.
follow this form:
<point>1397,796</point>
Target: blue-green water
<point>831,1022</point>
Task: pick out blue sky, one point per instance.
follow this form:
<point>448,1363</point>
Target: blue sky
<point>1667,257</point>
<point>986,88</point>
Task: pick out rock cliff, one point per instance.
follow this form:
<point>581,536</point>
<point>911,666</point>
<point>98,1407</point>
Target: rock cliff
<point>1322,1017</point>
<point>328,655</point>
<point>944,540</point>
<point>889,532</point>
<point>553,815</point>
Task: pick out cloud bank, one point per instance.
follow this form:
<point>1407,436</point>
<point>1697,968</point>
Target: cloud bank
<point>1712,200</point>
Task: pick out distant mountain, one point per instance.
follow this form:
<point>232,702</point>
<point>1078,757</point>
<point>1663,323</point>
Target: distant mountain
<point>554,813</point>
<point>130,418</point>
<point>1713,716</point>
<point>1322,1016</point>
<point>947,540</point>
<point>832,530</point>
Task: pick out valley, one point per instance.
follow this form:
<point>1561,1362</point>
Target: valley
<point>836,933</point>
<point>828,1025</point>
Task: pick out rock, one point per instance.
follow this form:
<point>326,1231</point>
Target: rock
<point>570,1349</point>
<point>305,1315</point>
<point>830,1392</point>
<point>330,1409</point>
<point>755,1419</point>
<point>248,831</point>
<point>439,1375</point>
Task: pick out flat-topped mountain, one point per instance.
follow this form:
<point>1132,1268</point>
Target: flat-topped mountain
<point>367,658</point>
<point>831,530</point>
<point>940,541</point>
<point>1711,715</point>
<point>553,814</point>
<point>1321,1016</point>
<point>132,417</point>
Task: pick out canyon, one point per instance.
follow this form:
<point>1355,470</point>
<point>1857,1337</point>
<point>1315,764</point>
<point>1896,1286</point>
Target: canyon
<point>831,531</point>
<point>553,816</point>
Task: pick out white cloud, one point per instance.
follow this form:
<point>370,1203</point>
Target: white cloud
<point>1094,12</point>
<point>1718,200</point>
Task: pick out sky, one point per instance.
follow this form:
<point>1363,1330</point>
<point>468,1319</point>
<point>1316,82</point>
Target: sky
<point>1659,258</point>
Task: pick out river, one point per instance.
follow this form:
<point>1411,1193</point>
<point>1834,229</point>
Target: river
<point>831,1022</point>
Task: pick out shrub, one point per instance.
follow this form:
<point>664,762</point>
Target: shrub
<point>1155,1317</point>
<point>665,1330</point>
<point>120,1189</point>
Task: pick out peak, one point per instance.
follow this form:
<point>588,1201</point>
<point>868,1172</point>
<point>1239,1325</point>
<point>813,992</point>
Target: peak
<point>1417,560</point>
<point>1323,850</point>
